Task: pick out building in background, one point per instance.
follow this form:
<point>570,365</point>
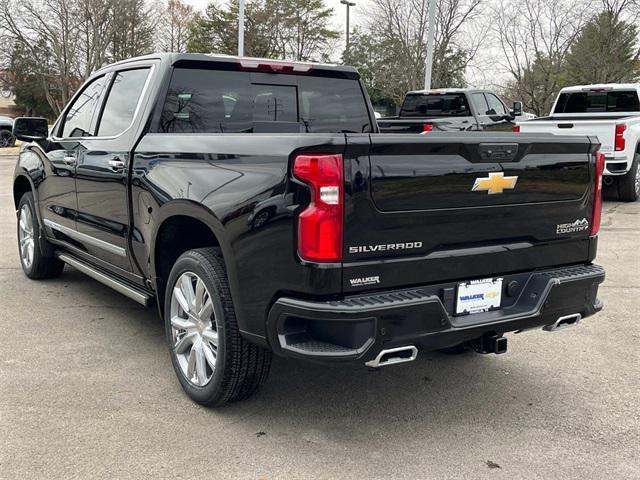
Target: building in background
<point>7,101</point>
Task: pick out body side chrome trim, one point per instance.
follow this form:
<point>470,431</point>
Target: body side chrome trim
<point>119,287</point>
<point>84,238</point>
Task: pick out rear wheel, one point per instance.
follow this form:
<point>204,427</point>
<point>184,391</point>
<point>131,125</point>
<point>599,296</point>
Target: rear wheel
<point>214,364</point>
<point>629,185</point>
<point>36,264</point>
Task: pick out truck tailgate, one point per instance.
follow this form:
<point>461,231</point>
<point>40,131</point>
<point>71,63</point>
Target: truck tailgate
<point>604,129</point>
<point>446,207</point>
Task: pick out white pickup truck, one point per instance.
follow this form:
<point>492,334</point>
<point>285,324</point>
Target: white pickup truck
<point>610,112</point>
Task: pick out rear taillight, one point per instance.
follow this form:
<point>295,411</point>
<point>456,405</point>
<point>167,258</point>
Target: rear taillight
<point>427,127</point>
<point>516,128</point>
<point>320,224</point>
<point>620,142</point>
<point>597,194</point>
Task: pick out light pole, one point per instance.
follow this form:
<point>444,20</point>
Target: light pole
<point>430,35</point>
<point>241,28</point>
<point>349,5</point>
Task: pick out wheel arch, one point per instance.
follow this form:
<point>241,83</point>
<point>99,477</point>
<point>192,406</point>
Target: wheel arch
<point>182,226</point>
<point>21,185</point>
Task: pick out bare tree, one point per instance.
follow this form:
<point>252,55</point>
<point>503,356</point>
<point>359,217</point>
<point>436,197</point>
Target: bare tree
<point>173,27</point>
<point>133,28</point>
<point>397,30</point>
<point>95,33</point>
<point>535,37</point>
<point>456,28</point>
<point>49,31</point>
<point>66,40</point>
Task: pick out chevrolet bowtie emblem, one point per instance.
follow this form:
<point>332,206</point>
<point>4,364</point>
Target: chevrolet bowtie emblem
<point>496,183</point>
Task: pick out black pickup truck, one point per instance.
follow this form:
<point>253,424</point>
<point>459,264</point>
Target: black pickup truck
<point>451,110</point>
<point>368,246</point>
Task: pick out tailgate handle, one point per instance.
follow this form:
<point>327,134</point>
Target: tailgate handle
<point>498,152</point>
<point>565,125</point>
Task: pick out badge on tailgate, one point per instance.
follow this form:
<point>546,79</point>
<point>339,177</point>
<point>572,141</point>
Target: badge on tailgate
<point>495,183</point>
<point>479,296</point>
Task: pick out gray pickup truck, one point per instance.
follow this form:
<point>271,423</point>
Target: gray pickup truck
<point>451,109</point>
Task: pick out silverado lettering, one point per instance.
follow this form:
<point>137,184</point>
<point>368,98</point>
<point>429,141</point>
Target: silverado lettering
<point>385,247</point>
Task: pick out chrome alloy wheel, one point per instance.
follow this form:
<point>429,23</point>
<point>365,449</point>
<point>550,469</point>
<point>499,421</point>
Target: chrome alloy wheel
<point>25,235</point>
<point>194,329</point>
<point>638,179</point>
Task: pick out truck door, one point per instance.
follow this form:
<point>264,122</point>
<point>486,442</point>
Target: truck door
<point>67,143</point>
<point>102,171</point>
<point>492,113</point>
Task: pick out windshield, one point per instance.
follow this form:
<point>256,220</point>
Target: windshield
<point>222,101</point>
<point>598,101</point>
<point>435,105</point>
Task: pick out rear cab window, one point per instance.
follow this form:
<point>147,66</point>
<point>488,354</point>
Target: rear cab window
<point>435,105</point>
<point>204,100</point>
<point>122,101</point>
<point>594,101</point>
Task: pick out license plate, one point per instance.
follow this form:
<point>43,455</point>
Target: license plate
<point>479,296</point>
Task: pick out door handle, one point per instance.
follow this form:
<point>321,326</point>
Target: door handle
<point>69,160</point>
<point>116,164</point>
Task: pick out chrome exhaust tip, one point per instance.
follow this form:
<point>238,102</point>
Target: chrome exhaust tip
<point>565,321</point>
<point>393,356</point>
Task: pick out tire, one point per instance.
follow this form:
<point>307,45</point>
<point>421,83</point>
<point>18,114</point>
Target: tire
<point>36,263</point>
<point>211,372</point>
<point>629,185</point>
<point>7,139</point>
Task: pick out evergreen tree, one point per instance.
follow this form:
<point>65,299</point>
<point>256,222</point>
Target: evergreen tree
<point>283,29</point>
<point>606,51</point>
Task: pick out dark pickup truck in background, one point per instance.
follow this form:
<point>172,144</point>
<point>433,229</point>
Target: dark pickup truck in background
<point>452,110</point>
<point>154,176</point>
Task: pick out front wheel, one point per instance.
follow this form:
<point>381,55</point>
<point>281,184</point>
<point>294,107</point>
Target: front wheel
<point>214,364</point>
<point>629,184</point>
<point>36,264</point>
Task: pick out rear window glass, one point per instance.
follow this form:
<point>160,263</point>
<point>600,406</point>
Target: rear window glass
<point>218,101</point>
<point>586,102</point>
<point>122,101</point>
<point>451,105</point>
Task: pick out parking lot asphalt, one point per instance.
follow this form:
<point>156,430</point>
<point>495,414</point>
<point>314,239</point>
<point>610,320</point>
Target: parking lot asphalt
<point>87,391</point>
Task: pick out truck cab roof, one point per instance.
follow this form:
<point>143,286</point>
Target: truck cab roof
<point>446,90</point>
<point>601,86</point>
<point>255,63</point>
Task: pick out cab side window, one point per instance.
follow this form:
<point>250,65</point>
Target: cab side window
<point>77,122</point>
<point>122,101</point>
<point>480,103</point>
<point>495,105</point>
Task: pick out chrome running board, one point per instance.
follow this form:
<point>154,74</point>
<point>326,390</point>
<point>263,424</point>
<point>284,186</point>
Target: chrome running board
<point>133,294</point>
